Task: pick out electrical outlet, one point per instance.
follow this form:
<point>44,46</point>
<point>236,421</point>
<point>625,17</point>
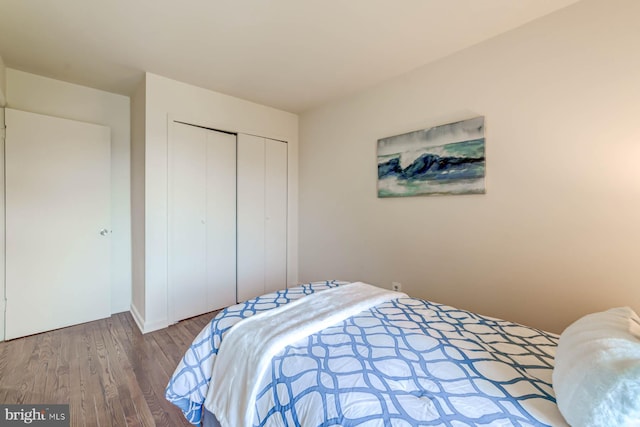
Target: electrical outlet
<point>396,286</point>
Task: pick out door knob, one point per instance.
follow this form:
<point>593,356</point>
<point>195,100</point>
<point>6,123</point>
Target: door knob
<point>104,232</point>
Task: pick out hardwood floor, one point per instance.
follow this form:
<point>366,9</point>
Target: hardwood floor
<point>107,371</point>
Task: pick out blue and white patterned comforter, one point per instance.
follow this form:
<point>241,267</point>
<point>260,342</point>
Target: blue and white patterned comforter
<point>407,362</point>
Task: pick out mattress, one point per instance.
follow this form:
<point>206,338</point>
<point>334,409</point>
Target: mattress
<point>404,362</point>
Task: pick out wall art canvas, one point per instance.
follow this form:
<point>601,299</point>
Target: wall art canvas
<point>446,159</point>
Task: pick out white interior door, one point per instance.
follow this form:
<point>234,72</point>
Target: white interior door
<point>57,202</point>
<point>202,220</point>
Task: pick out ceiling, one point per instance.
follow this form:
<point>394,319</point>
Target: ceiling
<point>290,54</point>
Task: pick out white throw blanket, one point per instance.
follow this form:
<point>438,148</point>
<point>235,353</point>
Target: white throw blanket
<point>247,349</point>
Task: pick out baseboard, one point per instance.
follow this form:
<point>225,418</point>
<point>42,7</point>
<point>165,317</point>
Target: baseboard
<point>137,318</point>
<point>144,326</point>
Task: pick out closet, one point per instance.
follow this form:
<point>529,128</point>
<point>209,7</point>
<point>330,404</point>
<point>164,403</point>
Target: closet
<point>227,218</point>
<point>161,272</point>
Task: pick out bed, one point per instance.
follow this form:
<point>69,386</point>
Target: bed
<point>400,362</point>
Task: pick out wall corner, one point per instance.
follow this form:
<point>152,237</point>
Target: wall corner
<point>137,203</point>
<point>3,302</point>
<point>144,326</point>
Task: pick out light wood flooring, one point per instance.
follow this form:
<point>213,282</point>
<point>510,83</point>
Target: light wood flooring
<point>107,371</point>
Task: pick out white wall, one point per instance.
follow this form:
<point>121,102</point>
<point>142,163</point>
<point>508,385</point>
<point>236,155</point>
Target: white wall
<point>2,290</point>
<point>43,95</point>
<point>165,97</point>
<point>138,121</point>
<point>3,91</point>
<point>556,236</point>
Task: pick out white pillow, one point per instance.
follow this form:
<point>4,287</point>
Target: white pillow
<point>596,377</point>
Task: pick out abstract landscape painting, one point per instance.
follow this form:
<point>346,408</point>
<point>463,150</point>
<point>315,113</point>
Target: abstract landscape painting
<point>446,159</point>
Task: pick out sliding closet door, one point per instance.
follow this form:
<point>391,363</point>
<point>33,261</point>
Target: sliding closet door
<point>262,216</point>
<point>221,220</point>
<point>251,226</point>
<point>202,221</point>
<point>275,215</point>
<point>58,199</point>
<point>187,230</point>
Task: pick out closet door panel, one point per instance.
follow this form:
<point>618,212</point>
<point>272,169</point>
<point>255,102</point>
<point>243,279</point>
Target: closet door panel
<point>275,215</point>
<point>221,220</point>
<point>187,219</point>
<point>251,211</point>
